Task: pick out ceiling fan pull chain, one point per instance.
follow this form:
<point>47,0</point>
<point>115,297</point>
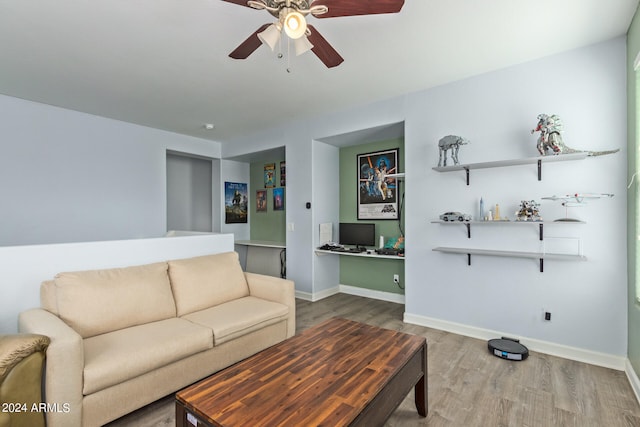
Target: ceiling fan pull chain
<point>288,55</point>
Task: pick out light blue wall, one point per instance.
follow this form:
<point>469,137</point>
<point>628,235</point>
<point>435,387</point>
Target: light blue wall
<point>496,111</point>
<point>67,176</point>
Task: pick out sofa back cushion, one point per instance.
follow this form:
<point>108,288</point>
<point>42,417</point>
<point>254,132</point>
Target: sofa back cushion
<point>205,281</point>
<point>99,301</point>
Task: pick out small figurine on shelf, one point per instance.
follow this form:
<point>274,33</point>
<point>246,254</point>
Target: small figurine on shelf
<point>453,143</point>
<point>528,211</point>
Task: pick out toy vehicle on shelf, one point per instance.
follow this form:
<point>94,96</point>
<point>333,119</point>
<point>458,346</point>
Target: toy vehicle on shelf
<point>455,216</point>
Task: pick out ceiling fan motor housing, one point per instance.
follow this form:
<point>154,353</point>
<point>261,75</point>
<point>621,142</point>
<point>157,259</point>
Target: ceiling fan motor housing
<point>275,6</point>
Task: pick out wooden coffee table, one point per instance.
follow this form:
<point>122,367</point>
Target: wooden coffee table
<point>337,373</point>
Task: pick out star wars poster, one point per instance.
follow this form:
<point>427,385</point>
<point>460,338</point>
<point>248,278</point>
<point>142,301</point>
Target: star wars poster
<point>269,175</point>
<point>278,199</point>
<point>235,203</point>
<point>261,200</point>
<point>377,192</point>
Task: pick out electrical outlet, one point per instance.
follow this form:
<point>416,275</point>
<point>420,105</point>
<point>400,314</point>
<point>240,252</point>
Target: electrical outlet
<point>546,314</point>
<point>396,278</point>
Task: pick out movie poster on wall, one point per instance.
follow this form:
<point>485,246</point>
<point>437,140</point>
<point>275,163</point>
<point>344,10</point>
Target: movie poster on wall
<point>378,193</point>
<point>235,203</point>
<point>283,174</point>
<point>278,199</point>
<point>261,200</point>
<point>269,175</point>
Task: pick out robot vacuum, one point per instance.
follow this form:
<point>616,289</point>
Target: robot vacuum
<point>508,348</point>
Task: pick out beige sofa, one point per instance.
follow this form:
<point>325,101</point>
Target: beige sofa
<point>122,338</point>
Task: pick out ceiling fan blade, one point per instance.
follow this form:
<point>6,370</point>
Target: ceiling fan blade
<point>323,49</point>
<point>247,47</point>
<point>357,7</point>
<point>239,2</point>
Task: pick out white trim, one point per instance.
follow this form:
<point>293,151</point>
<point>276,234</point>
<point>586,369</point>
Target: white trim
<point>313,297</point>
<point>351,290</point>
<point>572,353</point>
<point>633,379</point>
<point>636,63</point>
<point>369,293</point>
<point>306,296</point>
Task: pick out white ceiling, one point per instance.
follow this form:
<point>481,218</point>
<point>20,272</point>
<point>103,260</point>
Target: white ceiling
<point>164,63</point>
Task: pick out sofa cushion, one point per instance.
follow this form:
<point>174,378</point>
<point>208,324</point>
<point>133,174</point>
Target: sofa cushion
<point>117,356</point>
<point>205,281</point>
<point>99,301</point>
<point>238,317</point>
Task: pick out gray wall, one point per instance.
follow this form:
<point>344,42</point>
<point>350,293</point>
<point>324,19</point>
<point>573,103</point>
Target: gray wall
<point>189,193</point>
<point>67,176</point>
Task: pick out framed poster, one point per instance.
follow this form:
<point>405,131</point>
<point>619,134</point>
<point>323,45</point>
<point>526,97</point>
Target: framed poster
<point>283,173</point>
<point>261,200</point>
<point>278,199</point>
<point>269,175</point>
<point>377,193</point>
<point>235,203</point>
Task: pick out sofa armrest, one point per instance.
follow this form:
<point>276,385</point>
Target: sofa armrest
<point>64,365</point>
<point>277,290</point>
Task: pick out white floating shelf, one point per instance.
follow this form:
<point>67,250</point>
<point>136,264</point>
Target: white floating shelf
<point>514,162</point>
<point>540,224</point>
<point>512,254</point>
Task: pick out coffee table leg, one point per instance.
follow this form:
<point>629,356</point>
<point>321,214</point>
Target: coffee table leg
<point>421,388</point>
<point>181,415</point>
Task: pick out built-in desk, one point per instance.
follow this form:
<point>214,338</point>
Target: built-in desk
<point>372,255</point>
<point>265,257</point>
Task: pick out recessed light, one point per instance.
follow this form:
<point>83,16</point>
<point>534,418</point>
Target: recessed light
<point>208,126</point>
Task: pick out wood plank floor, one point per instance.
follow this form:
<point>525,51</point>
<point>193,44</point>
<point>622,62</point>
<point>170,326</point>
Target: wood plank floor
<point>467,385</point>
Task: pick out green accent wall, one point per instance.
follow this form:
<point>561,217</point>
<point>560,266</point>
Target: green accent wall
<point>269,225</point>
<point>374,274</point>
<point>633,47</point>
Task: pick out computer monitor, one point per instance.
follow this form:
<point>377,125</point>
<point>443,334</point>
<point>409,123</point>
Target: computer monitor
<point>358,234</point>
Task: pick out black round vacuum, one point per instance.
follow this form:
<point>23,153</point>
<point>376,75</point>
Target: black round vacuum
<point>508,348</point>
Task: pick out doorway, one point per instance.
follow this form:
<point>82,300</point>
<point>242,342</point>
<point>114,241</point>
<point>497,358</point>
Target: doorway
<point>189,193</point>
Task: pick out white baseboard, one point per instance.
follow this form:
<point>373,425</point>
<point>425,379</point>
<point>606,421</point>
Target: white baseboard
<point>633,379</point>
<point>317,296</point>
<point>351,290</point>
<point>566,352</point>
<point>369,293</point>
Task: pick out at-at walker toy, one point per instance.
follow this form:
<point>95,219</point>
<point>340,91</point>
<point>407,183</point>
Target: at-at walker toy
<point>550,138</point>
<point>453,143</point>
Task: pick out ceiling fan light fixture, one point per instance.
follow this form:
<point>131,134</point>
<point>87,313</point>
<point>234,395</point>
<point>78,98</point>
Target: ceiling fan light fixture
<point>302,45</point>
<point>270,36</point>
<point>295,25</point>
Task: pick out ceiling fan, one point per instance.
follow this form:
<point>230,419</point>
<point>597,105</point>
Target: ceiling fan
<point>291,15</point>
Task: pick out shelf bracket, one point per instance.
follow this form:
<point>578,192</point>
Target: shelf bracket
<point>468,259</point>
<point>539,170</point>
<point>467,172</point>
<point>468,230</point>
<point>541,232</point>
<point>541,265</point>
